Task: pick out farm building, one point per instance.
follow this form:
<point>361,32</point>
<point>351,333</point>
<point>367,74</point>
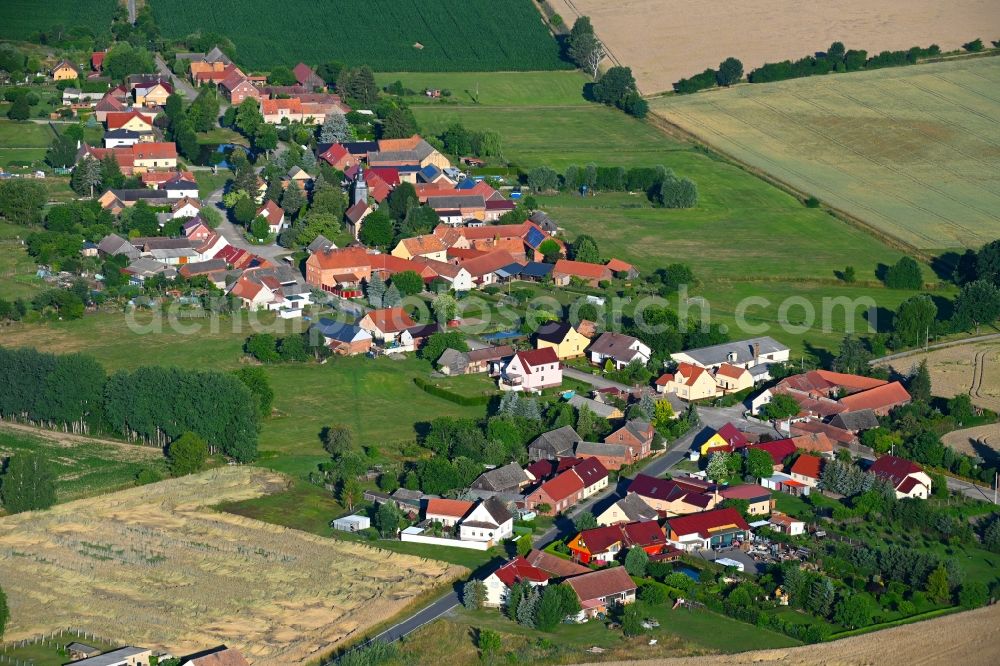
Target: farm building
<point>352,523</point>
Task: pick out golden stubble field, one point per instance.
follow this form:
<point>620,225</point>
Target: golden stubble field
<point>970,639</point>
<point>155,566</point>
<point>665,40</point>
<point>972,368</point>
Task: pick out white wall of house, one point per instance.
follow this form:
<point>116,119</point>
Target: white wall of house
<point>442,541</point>
<point>596,488</point>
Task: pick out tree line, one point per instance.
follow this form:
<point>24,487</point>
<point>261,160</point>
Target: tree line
<point>836,59</point>
<point>151,405</point>
<point>663,187</point>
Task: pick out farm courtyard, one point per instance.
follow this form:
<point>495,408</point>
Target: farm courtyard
<point>154,566</point>
<point>911,151</point>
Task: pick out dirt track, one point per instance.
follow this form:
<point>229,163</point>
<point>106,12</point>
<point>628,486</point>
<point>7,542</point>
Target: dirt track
<point>972,369</point>
<point>665,40</point>
<point>970,639</point>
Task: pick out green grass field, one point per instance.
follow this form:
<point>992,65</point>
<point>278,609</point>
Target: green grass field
<point>552,89</point>
<point>20,18</point>
<point>52,650</point>
<point>17,268</point>
<point>85,467</point>
<point>23,142</point>
<point>387,35</point>
<point>375,397</point>
<point>912,151</point>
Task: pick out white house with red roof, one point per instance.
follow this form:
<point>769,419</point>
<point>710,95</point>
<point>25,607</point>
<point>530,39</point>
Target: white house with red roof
<point>517,570</point>
<point>688,382</point>
<point>531,370</point>
<point>274,215</point>
<point>710,529</point>
<point>907,477</point>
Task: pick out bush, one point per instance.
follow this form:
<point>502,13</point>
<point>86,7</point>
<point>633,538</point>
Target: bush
<point>457,398</point>
<point>975,46</point>
<point>904,274</point>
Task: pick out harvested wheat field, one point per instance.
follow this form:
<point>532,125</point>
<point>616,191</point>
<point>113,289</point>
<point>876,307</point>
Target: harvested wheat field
<point>972,368</point>
<point>970,639</point>
<point>665,40</point>
<point>911,151</point>
<point>963,440</point>
<point>154,566</point>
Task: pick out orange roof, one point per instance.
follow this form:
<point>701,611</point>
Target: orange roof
<point>487,263</point>
<point>347,257</point>
<point>582,269</point>
<point>448,507</point>
<point>857,382</point>
<point>425,244</point>
<point>246,288</point>
<point>814,441</point>
<point>390,320</point>
<point>462,253</point>
<point>563,486</point>
<point>880,397</point>
<point>271,212</point>
<point>116,119</point>
<point>692,372</point>
<point>727,370</point>
<point>269,107</point>
<point>157,177</point>
<point>512,245</point>
<point>619,266</point>
<point>808,466</point>
<point>154,151</point>
<point>391,145</point>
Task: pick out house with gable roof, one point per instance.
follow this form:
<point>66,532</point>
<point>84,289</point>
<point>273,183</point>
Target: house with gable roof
<point>907,477</point>
<point>629,509</point>
<point>599,591</point>
<point>755,354</point>
<point>718,528</point>
<point>514,571</point>
<point>531,371</point>
<point>557,494</point>
<point>428,246</point>
<point>612,456</point>
<point>674,497</point>
<point>637,435</point>
<point>603,545</point>
<point>274,215</point>
<point>554,444</point>
<point>807,469</point>
<point>727,438</point>
<point>344,339</point>
<point>590,274</point>
<point>618,348</point>
<point>509,478</point>
<point>688,382</point>
<point>563,338</point>
<point>488,521</point>
<point>387,324</point>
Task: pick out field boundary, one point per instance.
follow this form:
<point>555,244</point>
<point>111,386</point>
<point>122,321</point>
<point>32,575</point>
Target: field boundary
<point>937,345</point>
<point>675,131</point>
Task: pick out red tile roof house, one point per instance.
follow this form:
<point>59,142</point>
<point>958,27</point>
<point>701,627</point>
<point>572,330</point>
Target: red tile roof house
<point>306,77</point>
<point>711,529</point>
<point>637,435</point>
<point>531,371</point>
<point>559,494</point>
<point>603,545</point>
<point>612,456</point>
<point>600,590</point>
<point>517,570</point>
<point>779,450</point>
<point>593,474</point>
<point>881,399</point>
<point>907,477</point>
<point>448,512</point>
<point>274,215</point>
<point>386,324</point>
<point>590,274</point>
<point>758,497</point>
<point>674,497</point>
<point>807,469</point>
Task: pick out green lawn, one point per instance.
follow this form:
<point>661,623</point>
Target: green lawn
<point>375,397</point>
<point>557,137</point>
<point>493,88</point>
<point>52,650</point>
<point>222,135</point>
<point>209,182</point>
<point>23,142</point>
<point>85,468</point>
<point>17,268</point>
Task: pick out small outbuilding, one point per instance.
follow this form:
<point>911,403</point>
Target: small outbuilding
<point>352,523</point>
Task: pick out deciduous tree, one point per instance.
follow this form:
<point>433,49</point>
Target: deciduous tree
<point>187,454</point>
<point>28,483</point>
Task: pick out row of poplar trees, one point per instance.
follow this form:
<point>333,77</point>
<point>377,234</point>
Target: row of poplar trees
<point>151,405</point>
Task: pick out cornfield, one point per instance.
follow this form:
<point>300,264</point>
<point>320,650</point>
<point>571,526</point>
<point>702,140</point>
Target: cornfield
<point>20,18</point>
<point>153,566</point>
<point>387,35</point>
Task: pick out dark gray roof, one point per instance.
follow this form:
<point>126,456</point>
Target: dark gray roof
<point>319,243</point>
<point>453,359</point>
<point>114,244</point>
<point>112,658</point>
<point>508,477</point>
<point>635,508</point>
<point>637,427</point>
<point>498,510</point>
<point>862,419</point>
<point>556,443</point>
<point>716,354</point>
<point>137,194</point>
<point>122,133</point>
<point>544,221</point>
<point>456,201</point>
<point>613,344</point>
<point>553,331</point>
<point>599,449</point>
<point>490,353</point>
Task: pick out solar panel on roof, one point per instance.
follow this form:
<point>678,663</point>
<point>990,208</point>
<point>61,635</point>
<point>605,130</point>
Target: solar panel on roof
<point>534,238</point>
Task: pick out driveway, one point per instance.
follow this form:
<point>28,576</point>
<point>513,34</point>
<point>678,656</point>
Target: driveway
<point>180,85</point>
<point>234,234</point>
